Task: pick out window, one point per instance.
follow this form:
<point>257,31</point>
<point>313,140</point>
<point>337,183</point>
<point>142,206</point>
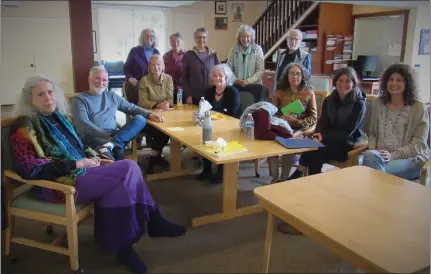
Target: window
<point>120,28</point>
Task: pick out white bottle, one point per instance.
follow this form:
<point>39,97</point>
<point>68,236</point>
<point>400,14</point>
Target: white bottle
<point>249,127</point>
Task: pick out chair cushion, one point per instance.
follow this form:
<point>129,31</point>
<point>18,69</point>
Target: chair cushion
<point>29,201</point>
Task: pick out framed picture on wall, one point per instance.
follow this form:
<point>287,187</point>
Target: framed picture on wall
<point>220,23</point>
<point>238,12</point>
<point>94,42</point>
<point>220,7</point>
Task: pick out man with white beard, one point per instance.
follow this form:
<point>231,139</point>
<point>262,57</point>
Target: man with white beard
<point>93,113</point>
<point>293,54</point>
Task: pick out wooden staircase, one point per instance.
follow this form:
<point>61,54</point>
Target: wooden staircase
<point>280,16</point>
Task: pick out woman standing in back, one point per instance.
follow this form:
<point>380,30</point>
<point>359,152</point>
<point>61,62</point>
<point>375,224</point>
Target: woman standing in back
<point>174,62</point>
<point>136,65</point>
<point>294,85</point>
<point>197,65</point>
<point>399,126</point>
<point>246,60</point>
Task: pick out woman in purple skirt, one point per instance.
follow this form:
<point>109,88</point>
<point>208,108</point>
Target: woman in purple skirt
<point>45,146</point>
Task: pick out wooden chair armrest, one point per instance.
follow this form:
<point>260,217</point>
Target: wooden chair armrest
<point>69,190</point>
<point>357,150</point>
<point>426,165</point>
<point>105,162</point>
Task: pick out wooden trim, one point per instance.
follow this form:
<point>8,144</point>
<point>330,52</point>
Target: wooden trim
<point>389,13</point>
<point>81,31</point>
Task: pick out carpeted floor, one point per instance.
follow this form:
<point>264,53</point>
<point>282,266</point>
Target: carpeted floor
<point>233,246</point>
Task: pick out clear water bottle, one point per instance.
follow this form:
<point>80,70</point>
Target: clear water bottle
<point>249,127</point>
<point>207,128</point>
<point>180,97</point>
<point>201,101</point>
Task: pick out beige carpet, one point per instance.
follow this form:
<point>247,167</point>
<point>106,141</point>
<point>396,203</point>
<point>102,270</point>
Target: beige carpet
<point>233,246</point>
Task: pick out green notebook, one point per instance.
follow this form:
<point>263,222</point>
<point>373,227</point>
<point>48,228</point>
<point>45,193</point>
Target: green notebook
<point>295,108</point>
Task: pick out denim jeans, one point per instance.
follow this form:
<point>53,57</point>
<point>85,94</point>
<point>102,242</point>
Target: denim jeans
<point>122,136</point>
<point>404,168</point>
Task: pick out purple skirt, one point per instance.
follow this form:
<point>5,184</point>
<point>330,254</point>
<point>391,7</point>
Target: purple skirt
<point>122,203</point>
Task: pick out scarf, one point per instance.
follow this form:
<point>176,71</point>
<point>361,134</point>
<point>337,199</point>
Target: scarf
<point>50,143</point>
<point>268,107</point>
<point>243,57</point>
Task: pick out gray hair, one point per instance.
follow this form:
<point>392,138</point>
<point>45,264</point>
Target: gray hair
<point>179,36</point>
<point>24,107</point>
<point>246,29</point>
<point>297,31</point>
<point>99,68</point>
<point>141,38</point>
<point>200,30</point>
<point>226,70</point>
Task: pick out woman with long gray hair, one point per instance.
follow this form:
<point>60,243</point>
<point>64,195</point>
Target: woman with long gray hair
<point>45,146</point>
<point>136,65</point>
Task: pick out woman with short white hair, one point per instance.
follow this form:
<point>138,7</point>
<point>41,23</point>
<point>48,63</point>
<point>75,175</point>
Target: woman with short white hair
<point>246,58</point>
<point>45,146</point>
<point>136,65</point>
<point>197,64</point>
<point>224,99</point>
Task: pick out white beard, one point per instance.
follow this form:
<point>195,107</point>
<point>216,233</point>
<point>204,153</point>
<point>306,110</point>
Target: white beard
<point>96,90</point>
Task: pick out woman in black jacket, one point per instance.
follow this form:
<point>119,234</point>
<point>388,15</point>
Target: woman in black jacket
<point>223,98</point>
<point>339,126</point>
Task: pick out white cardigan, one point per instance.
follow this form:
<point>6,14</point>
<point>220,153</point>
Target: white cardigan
<point>256,65</point>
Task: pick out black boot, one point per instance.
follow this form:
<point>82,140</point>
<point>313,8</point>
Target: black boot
<point>296,174</point>
<point>160,227</point>
<point>118,153</point>
<point>129,258</point>
<point>206,172</point>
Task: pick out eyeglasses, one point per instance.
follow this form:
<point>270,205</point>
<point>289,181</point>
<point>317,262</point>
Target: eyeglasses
<point>293,74</point>
<point>149,36</point>
<point>201,37</point>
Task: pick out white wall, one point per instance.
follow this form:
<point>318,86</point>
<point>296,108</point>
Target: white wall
<point>374,36</point>
<point>35,33</point>
<point>422,21</point>
<point>201,14</point>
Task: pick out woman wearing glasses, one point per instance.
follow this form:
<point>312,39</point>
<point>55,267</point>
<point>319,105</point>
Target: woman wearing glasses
<point>197,65</point>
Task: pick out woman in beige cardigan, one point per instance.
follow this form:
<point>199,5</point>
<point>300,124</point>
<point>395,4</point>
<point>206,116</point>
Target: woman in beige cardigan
<point>156,88</point>
<point>399,126</point>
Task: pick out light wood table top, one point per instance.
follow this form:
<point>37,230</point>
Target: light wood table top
<point>228,129</point>
<point>378,222</point>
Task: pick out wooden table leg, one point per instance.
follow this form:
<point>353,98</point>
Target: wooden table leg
<point>175,156</point>
<point>268,241</point>
<point>229,211</point>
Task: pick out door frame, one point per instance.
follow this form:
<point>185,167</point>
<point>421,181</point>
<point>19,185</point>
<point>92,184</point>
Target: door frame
<point>404,12</point>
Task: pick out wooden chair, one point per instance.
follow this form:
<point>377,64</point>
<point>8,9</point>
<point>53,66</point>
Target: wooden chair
<point>21,202</point>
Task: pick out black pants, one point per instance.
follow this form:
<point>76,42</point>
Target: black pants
<point>314,160</point>
<point>207,168</point>
<point>157,139</point>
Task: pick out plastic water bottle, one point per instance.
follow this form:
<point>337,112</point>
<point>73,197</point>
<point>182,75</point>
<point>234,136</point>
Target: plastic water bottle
<point>249,127</point>
<point>180,97</point>
<point>207,128</point>
<point>201,102</point>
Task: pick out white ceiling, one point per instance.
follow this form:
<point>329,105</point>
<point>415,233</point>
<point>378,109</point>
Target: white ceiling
<point>387,3</point>
<point>167,4</point>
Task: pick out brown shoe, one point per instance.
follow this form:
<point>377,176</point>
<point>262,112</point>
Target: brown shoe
<point>288,229</point>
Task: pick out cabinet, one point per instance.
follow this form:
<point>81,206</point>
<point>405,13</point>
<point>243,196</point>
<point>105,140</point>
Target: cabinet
<point>30,46</point>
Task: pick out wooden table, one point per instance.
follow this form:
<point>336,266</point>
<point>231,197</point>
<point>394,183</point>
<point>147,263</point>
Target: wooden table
<point>376,221</point>
<point>229,130</point>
